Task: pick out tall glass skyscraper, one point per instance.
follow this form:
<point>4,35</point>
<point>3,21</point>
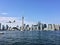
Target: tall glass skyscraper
<point>0,26</point>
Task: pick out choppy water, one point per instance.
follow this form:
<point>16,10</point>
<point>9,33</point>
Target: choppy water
<point>30,38</point>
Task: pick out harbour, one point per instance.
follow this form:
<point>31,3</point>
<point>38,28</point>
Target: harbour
<point>29,22</point>
<point>30,38</point>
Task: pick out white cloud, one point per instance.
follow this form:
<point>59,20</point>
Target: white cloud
<point>4,21</point>
<point>4,13</point>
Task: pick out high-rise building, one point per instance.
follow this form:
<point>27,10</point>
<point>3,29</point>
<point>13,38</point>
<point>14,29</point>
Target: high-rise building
<point>56,27</point>
<point>22,24</point>
<point>10,28</point>
<point>3,27</point>
<point>49,26</point>
<point>40,26</point>
<point>59,27</point>
<point>0,26</point>
<point>53,26</point>
<point>35,27</point>
<point>7,27</point>
<point>27,27</point>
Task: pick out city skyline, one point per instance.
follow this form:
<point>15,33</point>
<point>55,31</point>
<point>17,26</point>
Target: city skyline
<point>33,10</point>
<point>15,24</point>
<point>29,22</point>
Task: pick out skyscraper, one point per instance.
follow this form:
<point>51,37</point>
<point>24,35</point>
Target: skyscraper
<point>22,23</point>
<point>39,26</point>
<point>7,27</point>
<point>3,27</point>
<point>0,26</point>
<point>49,26</point>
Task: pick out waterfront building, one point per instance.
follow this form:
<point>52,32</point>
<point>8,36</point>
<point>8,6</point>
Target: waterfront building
<point>45,27</point>
<point>3,27</point>
<point>39,26</point>
<point>0,26</point>
<point>22,24</point>
<point>18,27</point>
<point>21,28</point>
<point>14,28</point>
<point>53,26</point>
<point>50,27</point>
<point>31,28</point>
<point>7,27</point>
<point>27,27</point>
<point>59,26</point>
<point>56,27</point>
<point>34,27</point>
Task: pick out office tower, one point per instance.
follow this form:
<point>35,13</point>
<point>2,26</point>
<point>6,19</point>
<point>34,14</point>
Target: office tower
<point>27,27</point>
<point>35,27</point>
<point>7,27</point>
<point>44,25</point>
<point>39,26</point>
<point>0,26</point>
<point>22,23</point>
<point>49,26</point>
<point>3,27</point>
<point>32,27</point>
<point>56,27</point>
<point>59,27</point>
<point>10,28</point>
<point>53,26</point>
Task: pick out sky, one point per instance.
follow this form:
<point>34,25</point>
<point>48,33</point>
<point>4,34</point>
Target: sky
<point>45,11</point>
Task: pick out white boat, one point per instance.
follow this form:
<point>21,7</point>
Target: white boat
<point>1,32</point>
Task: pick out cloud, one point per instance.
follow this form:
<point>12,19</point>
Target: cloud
<point>4,13</point>
<point>4,21</point>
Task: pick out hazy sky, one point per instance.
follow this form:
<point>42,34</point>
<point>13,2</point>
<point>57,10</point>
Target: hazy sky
<point>47,11</point>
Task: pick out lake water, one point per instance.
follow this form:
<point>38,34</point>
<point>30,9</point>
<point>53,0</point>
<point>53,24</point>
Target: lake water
<point>30,38</point>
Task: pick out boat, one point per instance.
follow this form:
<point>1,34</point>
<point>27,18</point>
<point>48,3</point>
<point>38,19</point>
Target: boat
<point>1,32</point>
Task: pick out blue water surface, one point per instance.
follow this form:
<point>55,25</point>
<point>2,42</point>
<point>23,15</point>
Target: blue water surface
<point>30,37</point>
